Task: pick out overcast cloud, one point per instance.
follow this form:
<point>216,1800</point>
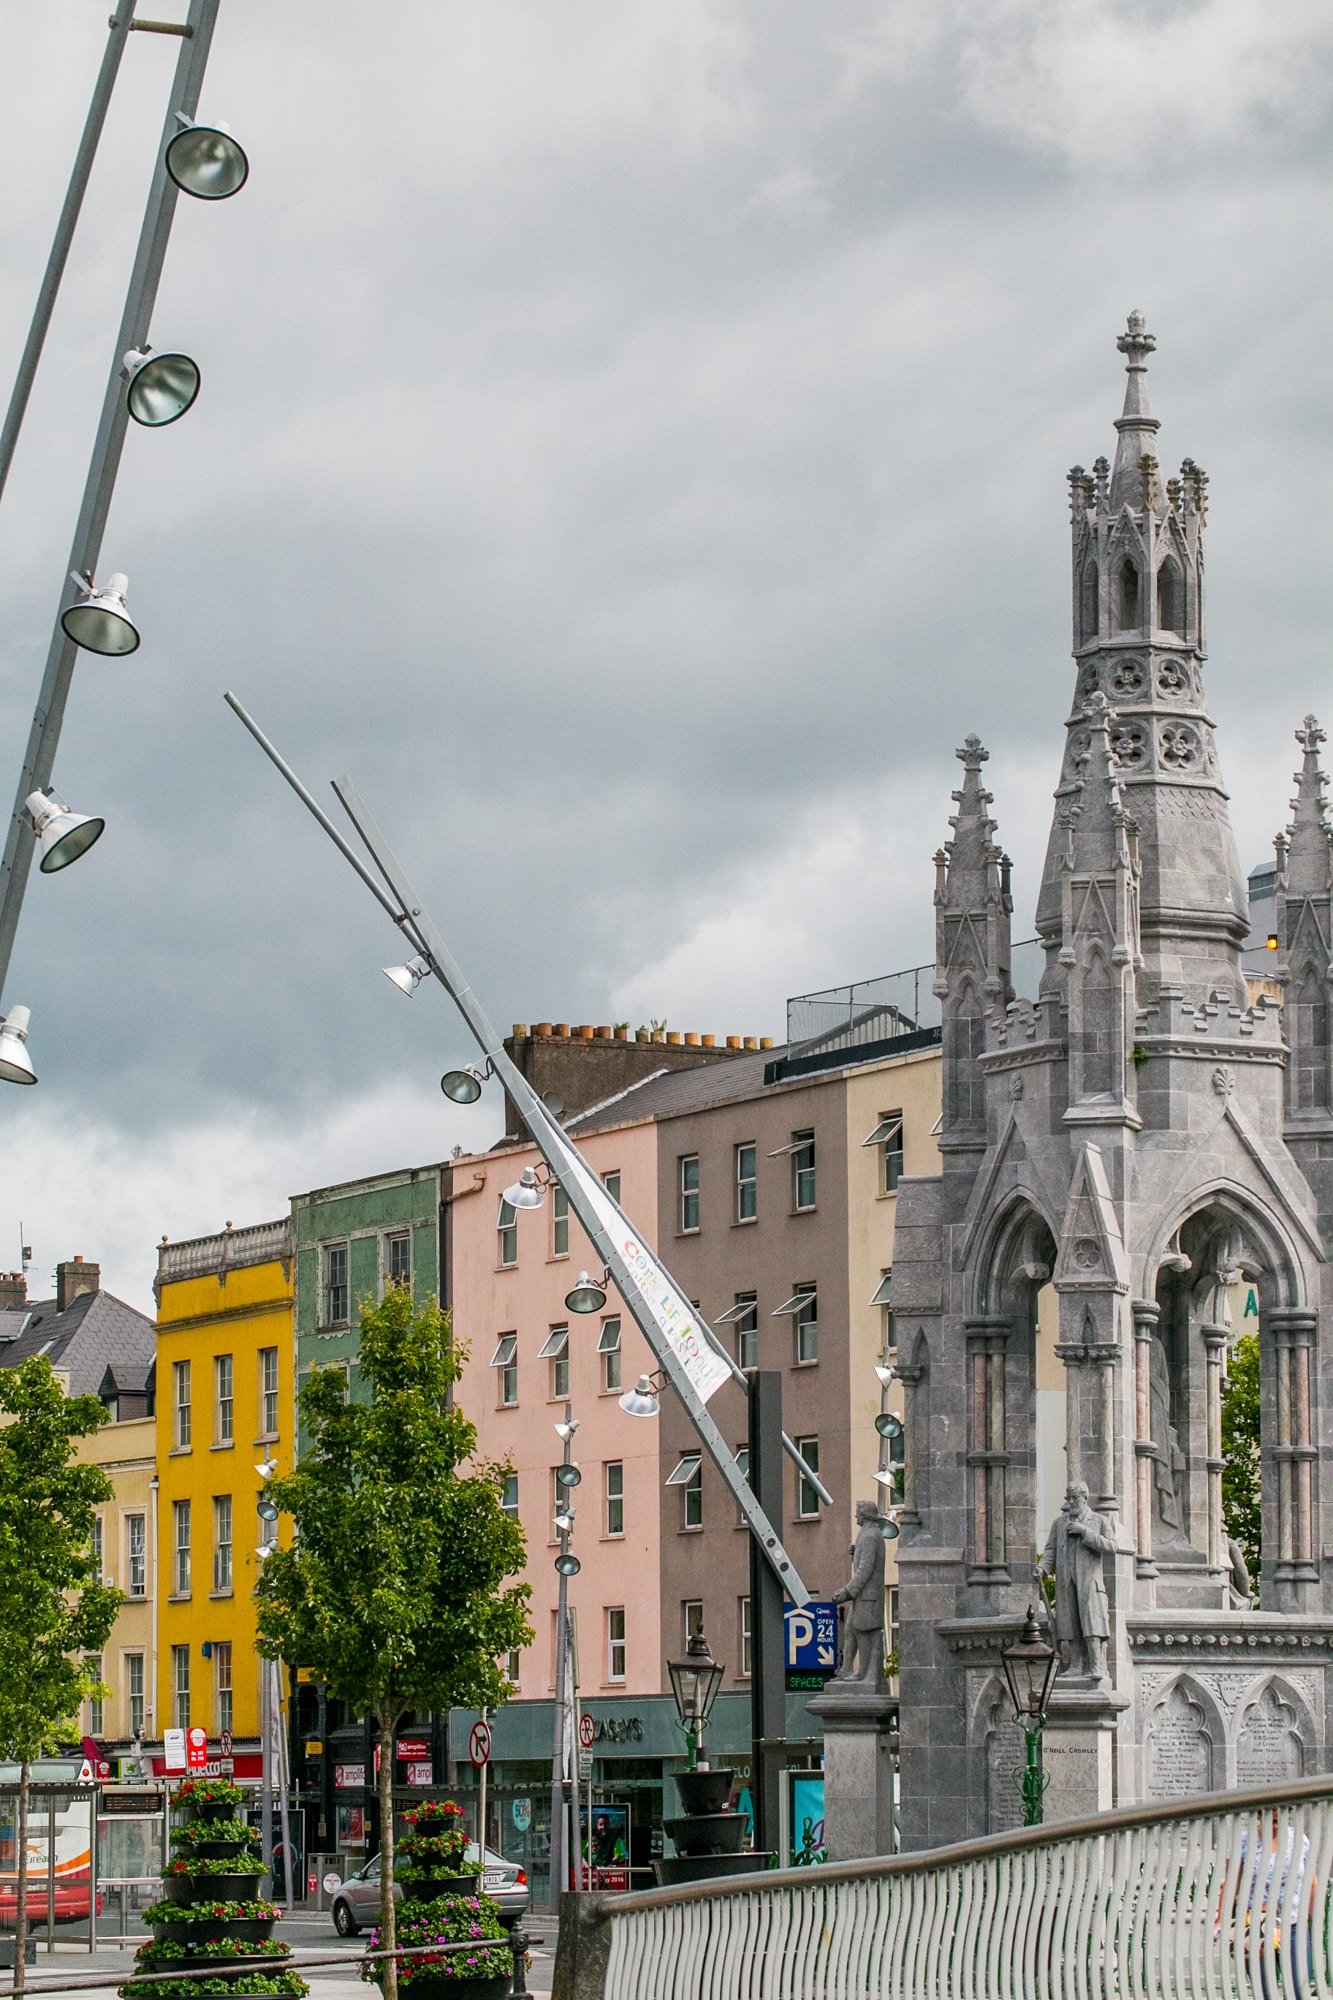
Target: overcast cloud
<point>633,443</point>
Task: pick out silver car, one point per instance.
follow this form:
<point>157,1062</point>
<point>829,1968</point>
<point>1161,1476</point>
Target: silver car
<point>357,1903</point>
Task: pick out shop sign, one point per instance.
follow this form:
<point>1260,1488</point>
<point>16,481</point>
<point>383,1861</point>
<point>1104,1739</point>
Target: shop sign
<point>619,1729</point>
<point>349,1777</point>
<point>810,1643</point>
<point>411,1749</point>
<point>173,1749</point>
<point>196,1748</point>
<point>421,1774</point>
<point>521,1811</point>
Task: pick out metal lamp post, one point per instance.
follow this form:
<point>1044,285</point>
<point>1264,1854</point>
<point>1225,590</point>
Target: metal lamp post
<point>1029,1670</point>
<point>695,1681</point>
<point>567,1477</point>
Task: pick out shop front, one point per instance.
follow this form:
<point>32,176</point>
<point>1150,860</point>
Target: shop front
<point>626,1778</point>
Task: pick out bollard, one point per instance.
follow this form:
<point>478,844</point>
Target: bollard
<point>518,1944</point>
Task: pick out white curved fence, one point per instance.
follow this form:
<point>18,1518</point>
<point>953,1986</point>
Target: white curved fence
<point>1224,1898</point>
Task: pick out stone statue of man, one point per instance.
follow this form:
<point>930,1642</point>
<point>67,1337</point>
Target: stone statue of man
<point>1078,1541</point>
<point>863,1642</point>
<point>1168,1458</point>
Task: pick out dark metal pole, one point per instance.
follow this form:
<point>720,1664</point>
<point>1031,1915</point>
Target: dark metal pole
<point>64,237</point>
<point>44,735</point>
<point>768,1669</point>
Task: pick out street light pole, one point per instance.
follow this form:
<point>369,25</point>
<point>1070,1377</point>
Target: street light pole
<point>566,1565</point>
<point>39,758</point>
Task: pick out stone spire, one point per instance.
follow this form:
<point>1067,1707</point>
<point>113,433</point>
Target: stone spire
<point>972,907</point>
<point>1307,859</point>
<point>1136,425</point>
<point>1137,558</point>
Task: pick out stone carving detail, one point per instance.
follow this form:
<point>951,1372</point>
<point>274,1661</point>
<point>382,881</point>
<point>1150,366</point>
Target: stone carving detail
<point>1224,1080</point>
<point>1016,1084</point>
<point>1173,679</point>
<point>1130,745</point>
<point>1087,1255</point>
<point>1181,747</point>
<point>1090,681</point>
<point>1128,678</point>
<point>1269,1747</point>
<point>1180,1748</point>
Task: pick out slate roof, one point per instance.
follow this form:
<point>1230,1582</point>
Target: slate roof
<point>674,1092</point>
<point>95,1332</point>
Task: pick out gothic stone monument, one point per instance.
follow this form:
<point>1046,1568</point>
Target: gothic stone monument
<point>1116,1153</point>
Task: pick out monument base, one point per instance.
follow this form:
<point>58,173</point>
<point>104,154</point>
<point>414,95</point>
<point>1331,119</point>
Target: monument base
<point>1078,1749</point>
<point>858,1769</point>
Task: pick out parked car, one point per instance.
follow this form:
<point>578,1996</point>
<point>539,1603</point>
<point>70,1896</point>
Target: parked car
<point>357,1903</point>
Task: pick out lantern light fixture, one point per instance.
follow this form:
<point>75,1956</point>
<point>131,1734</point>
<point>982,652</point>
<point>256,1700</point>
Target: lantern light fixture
<point>407,977</point>
<point>61,834</point>
<point>567,1564</point>
<point>100,622</point>
<point>205,160</point>
<point>588,1296</point>
<point>526,1192</point>
<point>695,1681</point>
<point>15,1062</point>
<point>161,386</point>
<point>641,1400</point>
<point>463,1086</point>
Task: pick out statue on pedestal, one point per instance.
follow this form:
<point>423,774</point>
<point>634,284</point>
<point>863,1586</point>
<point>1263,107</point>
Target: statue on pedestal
<point>863,1641</point>
<point>1075,1547</point>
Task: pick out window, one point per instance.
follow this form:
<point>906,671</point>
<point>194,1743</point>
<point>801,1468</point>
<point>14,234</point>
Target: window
<point>555,1349</point>
<point>806,1323</point>
<point>222,1542</point>
<point>692,1618</point>
<point>803,1170</point>
<point>688,1475</point>
<point>608,1346</point>
<point>888,1137</point>
<point>509,1495</point>
<point>134,1705</point>
<point>335,1284</point>
<point>507,1235</point>
<point>180,1541</point>
<point>268,1391</point>
<point>505,1361</point>
<point>222,1690</point>
<point>511,1668</point>
<point>400,1260</point>
<point>615,1643</point>
<point>1129,596</point>
<point>136,1553</point>
<point>224,1398</point>
<point>743,1467</point>
<point>807,1500</point>
<point>687,1172</point>
<point>747,1183</point>
<point>559,1221</point>
<point>95,1549</point>
<point>1089,610</point>
<point>744,1316</point>
<point>1170,597</point>
<point>180,1686</point>
<point>614,1473</point>
<point>745,1635</point>
<point>611,1182</point>
<point>180,1405</point>
<point>96,1710</point>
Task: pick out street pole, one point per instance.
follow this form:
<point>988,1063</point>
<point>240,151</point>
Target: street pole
<point>481,1808</point>
<point>1035,1780</point>
<point>768,1667</point>
<point>561,1848</point>
<point>120,24</point>
<point>135,325</point>
<point>284,1785</point>
<point>266,1771</point>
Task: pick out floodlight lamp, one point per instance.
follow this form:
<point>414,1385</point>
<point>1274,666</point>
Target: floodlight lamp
<point>462,1086</point>
<point>408,977</point>
<point>162,386</point>
<point>100,622</point>
<point>61,834</point>
<point>566,1430</point>
<point>267,1468</point>
<point>889,1426</point>
<point>588,1296</point>
<point>885,1374</point>
<point>567,1565</point>
<point>205,160</point>
<point>15,1066</point>
<point>526,1192</point>
<point>267,1508</point>
<point>641,1400</point>
<point>564,1523</point>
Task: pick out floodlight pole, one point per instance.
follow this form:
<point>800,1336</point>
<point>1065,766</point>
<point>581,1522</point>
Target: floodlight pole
<point>196,34</point>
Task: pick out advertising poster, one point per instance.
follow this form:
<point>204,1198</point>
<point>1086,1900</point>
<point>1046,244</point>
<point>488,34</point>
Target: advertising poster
<point>606,1853</point>
<point>807,1818</point>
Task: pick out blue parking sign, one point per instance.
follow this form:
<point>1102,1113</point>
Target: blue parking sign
<point>811,1633</point>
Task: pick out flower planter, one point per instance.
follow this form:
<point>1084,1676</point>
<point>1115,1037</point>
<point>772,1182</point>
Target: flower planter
<point>180,1889</point>
<point>211,1888</point>
<point>214,1850</point>
<point>193,1810</point>
<point>432,1887</point>
<point>704,1791</point>
<point>178,1933</point>
<point>471,1986</point>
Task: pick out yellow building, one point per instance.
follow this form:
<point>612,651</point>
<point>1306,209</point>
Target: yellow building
<point>225,1407</point>
<point>124,1718</point>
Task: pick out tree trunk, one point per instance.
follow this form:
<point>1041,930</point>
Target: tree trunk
<point>388,1920</point>
<point>21,1907</point>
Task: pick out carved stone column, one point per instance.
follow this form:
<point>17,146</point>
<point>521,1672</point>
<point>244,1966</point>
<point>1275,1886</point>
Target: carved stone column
<point>1215,1349</point>
<point>1146,1315</point>
<point>987,1456</point>
<point>915,1421</point>
<point>1293,1452</point>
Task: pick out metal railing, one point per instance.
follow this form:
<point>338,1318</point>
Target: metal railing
<point>1228,1897</point>
<point>896,1003</point>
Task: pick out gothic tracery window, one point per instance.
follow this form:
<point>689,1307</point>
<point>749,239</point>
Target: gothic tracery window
<point>1170,597</point>
<point>1128,596</point>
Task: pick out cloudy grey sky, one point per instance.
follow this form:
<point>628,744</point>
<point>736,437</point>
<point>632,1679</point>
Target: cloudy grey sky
<point>633,442</point>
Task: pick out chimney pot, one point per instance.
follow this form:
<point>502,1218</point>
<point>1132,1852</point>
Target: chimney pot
<point>585,1032</point>
<point>708,1041</point>
<point>520,1031</point>
<point>765,1041</point>
<point>642,1035</point>
<point>673,1038</point>
<point>750,1042</point>
<point>691,1041</point>
<point>603,1034</point>
<point>733,1041</point>
<point>543,1028</point>
<point>562,1030</point>
<point>622,1034</point>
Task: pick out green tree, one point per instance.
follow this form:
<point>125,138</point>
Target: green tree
<point>54,1607</point>
<point>395,1588</point>
<point>1240,1452</point>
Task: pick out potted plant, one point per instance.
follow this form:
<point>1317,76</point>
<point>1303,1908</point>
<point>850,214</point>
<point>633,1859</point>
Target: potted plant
<point>432,1855</point>
<point>189,1876</point>
<point>483,1971</point>
<point>185,1923</point>
<point>208,1798</point>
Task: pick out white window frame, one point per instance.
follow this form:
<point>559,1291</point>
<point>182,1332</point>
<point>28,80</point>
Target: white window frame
<point>136,1560</point>
<point>506,1234</point>
<point>505,1362</point>
<point>559,1222</point>
<point>180,1548</point>
<point>883,1292</point>
<point>180,1686</point>
<point>611,1182</point>
<point>748,1181</point>
<point>269,1392</point>
<point>97,1547</point>
<point>804,1490</point>
<point>608,1346</point>
<point>135,1710</point>
<point>224,1690</point>
<point>555,1350</point>
<point>223,1549</point>
<point>616,1644</point>
<point>745,1309</point>
<point>745,1634</point>
<point>182,1422</point>
<point>391,1243</point>
<point>337,1291</point>
<point>691,1618</point>
<point>687,1193</point>
<point>888,1138</point>
<point>509,1495</point>
<point>96,1702</point>
<point>224,1399</point>
<point>805,1327</point>
<point>613,1497</point>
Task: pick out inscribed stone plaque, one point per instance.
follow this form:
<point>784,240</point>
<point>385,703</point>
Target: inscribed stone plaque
<point>1007,1752</point>
<point>1180,1749</point>
<point>1077,1763</point>
<point>1268,1748</point>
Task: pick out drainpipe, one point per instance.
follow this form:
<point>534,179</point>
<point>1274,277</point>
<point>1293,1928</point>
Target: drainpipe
<point>153,1487</point>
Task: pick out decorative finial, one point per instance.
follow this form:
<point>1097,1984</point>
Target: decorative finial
<point>973,753</point>
<point>1136,343</point>
<point>1310,736</point>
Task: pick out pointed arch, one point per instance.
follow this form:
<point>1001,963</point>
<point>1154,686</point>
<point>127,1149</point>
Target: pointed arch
<point>1170,596</point>
<point>1265,1229</point>
<point>1308,1037</point>
<point>1089,608</point>
<point>1128,617</point>
<point>1095,1014</point>
<point>1187,1713</point>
